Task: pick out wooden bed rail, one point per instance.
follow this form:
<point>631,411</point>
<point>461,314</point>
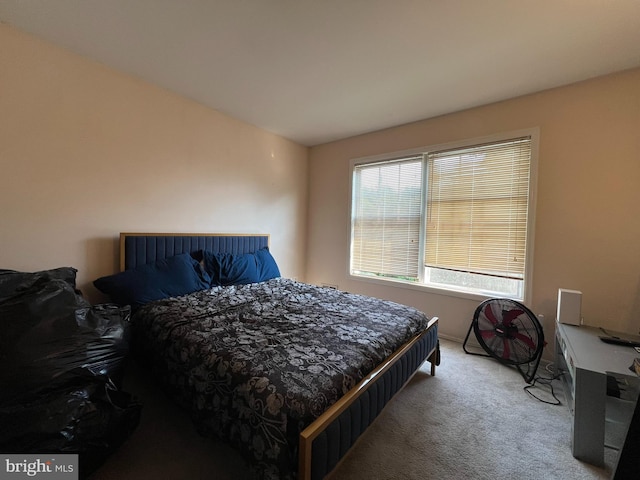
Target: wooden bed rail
<point>308,435</point>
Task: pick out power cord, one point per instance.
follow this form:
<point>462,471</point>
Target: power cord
<point>547,382</point>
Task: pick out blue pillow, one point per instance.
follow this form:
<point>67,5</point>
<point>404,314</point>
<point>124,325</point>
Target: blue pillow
<point>231,268</point>
<point>267,266</point>
<point>240,269</point>
<point>169,277</point>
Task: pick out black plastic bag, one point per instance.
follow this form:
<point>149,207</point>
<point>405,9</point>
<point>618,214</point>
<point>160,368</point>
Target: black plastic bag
<point>61,366</point>
<point>88,416</point>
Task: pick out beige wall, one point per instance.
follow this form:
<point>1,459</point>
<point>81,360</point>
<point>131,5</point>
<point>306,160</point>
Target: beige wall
<point>87,152</point>
<point>587,234</point>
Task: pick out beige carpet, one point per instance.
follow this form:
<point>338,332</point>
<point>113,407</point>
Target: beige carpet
<point>472,420</point>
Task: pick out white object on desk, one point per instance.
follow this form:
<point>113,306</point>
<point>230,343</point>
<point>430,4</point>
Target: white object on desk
<point>569,306</point>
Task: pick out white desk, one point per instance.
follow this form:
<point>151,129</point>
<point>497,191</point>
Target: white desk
<point>585,362</point>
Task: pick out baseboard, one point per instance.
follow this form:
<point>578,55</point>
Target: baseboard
<point>449,337</point>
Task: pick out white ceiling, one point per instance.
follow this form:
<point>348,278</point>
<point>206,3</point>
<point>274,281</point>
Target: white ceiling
<point>320,70</point>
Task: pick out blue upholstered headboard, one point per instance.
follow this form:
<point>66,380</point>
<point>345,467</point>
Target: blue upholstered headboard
<point>141,248</point>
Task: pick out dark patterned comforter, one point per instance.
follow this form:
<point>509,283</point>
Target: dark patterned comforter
<point>257,363</point>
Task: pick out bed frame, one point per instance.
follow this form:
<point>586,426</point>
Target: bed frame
<point>326,441</point>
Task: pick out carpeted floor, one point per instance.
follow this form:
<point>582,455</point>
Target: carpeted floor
<point>472,420</point>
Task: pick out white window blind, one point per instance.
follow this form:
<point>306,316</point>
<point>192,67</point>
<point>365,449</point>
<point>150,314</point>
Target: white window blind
<point>477,207</point>
<point>456,218</point>
<point>386,213</point>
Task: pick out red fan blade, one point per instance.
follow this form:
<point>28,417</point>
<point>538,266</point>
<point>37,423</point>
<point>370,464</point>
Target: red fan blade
<point>523,338</point>
<point>488,312</point>
<point>487,333</point>
<point>510,316</point>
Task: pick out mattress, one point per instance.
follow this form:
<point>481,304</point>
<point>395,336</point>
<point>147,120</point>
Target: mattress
<point>256,364</point>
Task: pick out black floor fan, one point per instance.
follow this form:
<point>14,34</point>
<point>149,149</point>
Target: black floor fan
<point>509,332</point>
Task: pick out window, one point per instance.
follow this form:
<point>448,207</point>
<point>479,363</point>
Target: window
<point>456,217</point>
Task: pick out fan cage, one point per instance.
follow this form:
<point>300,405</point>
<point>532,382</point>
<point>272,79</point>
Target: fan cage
<point>509,332</point>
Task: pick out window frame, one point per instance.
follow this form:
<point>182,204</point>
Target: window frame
<point>460,292</point>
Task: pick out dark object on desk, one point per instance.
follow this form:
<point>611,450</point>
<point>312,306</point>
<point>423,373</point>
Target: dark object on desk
<point>620,341</point>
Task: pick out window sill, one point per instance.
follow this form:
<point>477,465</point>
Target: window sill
<point>449,292</point>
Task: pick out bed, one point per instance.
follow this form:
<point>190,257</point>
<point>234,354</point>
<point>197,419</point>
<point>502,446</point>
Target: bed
<point>289,373</point>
